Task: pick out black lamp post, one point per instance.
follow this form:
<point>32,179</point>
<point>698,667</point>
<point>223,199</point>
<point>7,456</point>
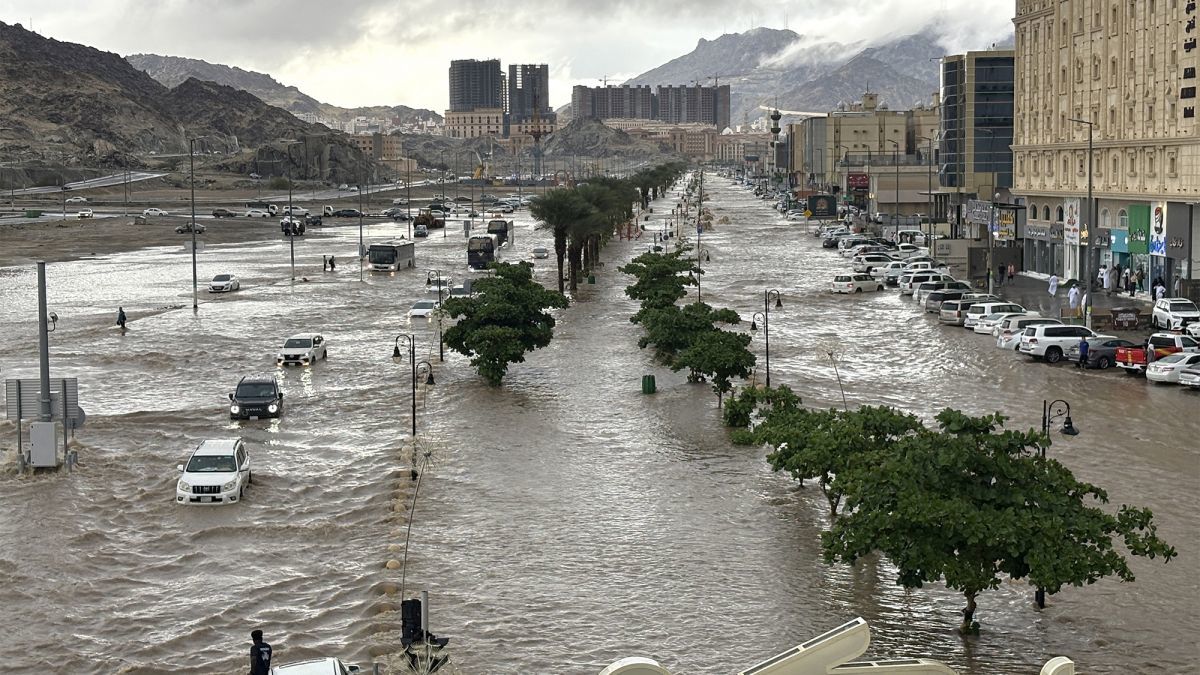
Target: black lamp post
<point>398,357</point>
<point>701,254</point>
<point>765,315</point>
<point>1051,411</point>
<point>429,278</point>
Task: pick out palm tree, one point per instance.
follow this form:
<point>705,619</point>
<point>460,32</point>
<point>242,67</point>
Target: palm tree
<point>561,210</point>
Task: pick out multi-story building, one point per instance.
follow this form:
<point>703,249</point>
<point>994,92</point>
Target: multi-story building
<point>670,104</point>
<point>1126,71</point>
<point>528,90</point>
<point>480,122</point>
<point>613,102</point>
<point>975,161</point>
<point>385,148</point>
<point>476,84</point>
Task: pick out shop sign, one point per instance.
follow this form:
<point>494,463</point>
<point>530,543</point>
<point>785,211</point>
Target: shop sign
<point>1071,222</point>
<point>857,181</point>
<point>822,206</point>
<point>979,212</point>
<point>1139,228</point>
<point>1179,231</point>
<point>1158,231</point>
<point>1006,225</point>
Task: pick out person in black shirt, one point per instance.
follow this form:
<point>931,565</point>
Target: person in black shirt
<point>260,654</point>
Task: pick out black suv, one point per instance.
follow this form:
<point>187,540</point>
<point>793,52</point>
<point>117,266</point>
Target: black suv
<point>223,213</point>
<point>346,213</point>
<point>256,396</point>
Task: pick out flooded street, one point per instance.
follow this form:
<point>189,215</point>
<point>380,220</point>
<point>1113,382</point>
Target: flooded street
<point>567,520</point>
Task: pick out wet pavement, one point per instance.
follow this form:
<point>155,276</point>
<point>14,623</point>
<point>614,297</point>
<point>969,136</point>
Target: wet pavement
<point>567,520</point>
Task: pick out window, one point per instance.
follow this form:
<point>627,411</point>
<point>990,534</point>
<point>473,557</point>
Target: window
<point>1095,67</point>
<point>1112,118</point>
<point>1115,16</point>
<point>1131,161</point>
<point>1116,169</point>
<point>1033,211</point>
<point>1105,218</point>
<point>1150,163</point>
<point>1065,169</point>
<point>1171,165</point>
<point>1150,61</point>
<point>1150,112</point>
<point>1078,70</point>
<point>1079,170</point>
<point>1045,213</point>
<point>1058,215</point>
<point>1123,219</point>
<point>1096,17</point>
<point>1112,71</point>
<point>1062,34</point>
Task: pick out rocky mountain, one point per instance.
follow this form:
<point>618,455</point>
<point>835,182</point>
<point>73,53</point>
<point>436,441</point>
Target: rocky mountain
<point>767,67</point>
<point>590,138</point>
<point>74,105</point>
<point>173,70</point>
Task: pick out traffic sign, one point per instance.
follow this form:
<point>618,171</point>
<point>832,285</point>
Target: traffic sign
<point>807,214</point>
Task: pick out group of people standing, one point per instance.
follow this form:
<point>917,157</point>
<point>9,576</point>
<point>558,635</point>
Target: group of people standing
<point>1116,279</point>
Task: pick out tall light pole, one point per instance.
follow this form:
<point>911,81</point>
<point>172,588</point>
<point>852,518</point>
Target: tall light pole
<point>929,191</point>
<point>766,319</point>
<point>430,276</point>
<point>1053,410</point>
<point>192,180</point>
<point>896,168</point>
<point>1085,249</point>
<point>397,357</point>
<point>992,210</point>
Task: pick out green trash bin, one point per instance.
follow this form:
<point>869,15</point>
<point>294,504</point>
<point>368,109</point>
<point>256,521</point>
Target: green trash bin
<point>648,385</point>
<point>591,278</point>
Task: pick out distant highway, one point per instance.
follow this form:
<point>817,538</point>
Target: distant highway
<point>103,181</point>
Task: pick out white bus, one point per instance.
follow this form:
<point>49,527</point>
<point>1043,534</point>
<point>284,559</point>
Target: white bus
<point>391,256</point>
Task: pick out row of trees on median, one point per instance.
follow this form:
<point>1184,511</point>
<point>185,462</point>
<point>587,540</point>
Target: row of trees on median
<point>968,502</point>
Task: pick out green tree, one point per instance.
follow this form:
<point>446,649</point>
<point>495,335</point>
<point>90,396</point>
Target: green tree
<point>659,278</point>
<point>561,210</point>
<point>971,504</point>
<point>672,329</point>
<point>505,319</point>
<point>720,355</point>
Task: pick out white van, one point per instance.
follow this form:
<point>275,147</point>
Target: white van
<point>910,237</point>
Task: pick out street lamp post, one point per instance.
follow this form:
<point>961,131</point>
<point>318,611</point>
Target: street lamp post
<point>766,319</point>
<point>701,254</point>
<point>397,357</point>
<point>1085,249</point>
<point>1051,411</point>
<point>430,276</point>
<point>929,191</point>
<point>896,168</point>
<point>192,180</point>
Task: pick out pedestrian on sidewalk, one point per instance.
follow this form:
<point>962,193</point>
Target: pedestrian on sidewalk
<point>1053,284</point>
<point>1160,291</point>
<point>1083,352</point>
<point>1073,297</point>
<point>1012,272</point>
<point>1000,274</point>
<point>1102,276</point>
<point>1127,281</point>
<point>1141,278</point>
<point>1108,281</point>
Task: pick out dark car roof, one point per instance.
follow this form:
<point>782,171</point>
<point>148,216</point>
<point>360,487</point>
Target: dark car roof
<point>258,378</point>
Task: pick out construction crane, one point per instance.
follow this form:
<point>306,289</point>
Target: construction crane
<point>795,113</point>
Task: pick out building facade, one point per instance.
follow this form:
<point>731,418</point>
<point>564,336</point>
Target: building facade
<point>613,102</point>
<point>1126,71</point>
<point>975,134</point>
<point>482,122</point>
<point>670,104</point>
<point>528,90</point>
<point>476,84</point>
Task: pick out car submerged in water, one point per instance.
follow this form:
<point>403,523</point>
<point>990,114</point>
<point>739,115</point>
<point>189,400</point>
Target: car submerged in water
<point>217,472</point>
<point>303,349</point>
<point>256,396</point>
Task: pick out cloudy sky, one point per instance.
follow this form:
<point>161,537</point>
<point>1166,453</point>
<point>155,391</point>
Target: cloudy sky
<point>374,52</point>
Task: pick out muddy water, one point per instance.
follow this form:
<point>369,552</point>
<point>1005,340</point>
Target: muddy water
<point>567,520</point>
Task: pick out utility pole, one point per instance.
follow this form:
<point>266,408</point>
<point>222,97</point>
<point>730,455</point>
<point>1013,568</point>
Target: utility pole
<point>192,180</point>
<point>1085,248</point>
<point>43,347</point>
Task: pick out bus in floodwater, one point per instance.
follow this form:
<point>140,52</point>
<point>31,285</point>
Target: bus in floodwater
<point>391,256</point>
<point>481,251</point>
<point>501,228</point>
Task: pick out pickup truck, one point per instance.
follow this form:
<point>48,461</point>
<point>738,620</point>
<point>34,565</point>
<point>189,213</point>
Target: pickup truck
<point>1133,359</point>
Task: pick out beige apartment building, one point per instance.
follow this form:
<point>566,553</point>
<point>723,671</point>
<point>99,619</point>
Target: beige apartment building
<point>1127,67</point>
<point>477,123</point>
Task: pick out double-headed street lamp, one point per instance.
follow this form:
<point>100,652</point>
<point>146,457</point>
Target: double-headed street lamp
<point>765,315</point>
<point>397,357</point>
<point>192,180</point>
<point>430,276</point>
<point>929,190</point>
<point>1093,231</point>
<point>701,254</point>
<point>1051,411</point>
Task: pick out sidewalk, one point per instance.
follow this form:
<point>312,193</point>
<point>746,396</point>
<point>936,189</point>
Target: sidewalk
<point>1031,291</point>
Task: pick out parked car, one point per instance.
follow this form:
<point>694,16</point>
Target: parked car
<point>904,251</point>
<point>855,283</point>
<point>294,211</point>
<point>1193,330</point>
<point>349,213</point>
<point>76,200</point>
<point>154,212</point>
<point>400,201</point>
<point>302,349</point>
<point>911,280</point>
<point>186,228</point>
<point>1169,368</point>
<point>934,299</point>
<point>1102,354</point>
<point>343,187</point>
<point>420,230</point>
<point>1174,314</point>
<point>84,213</point>
<point>987,325</point>
<point>928,287</point>
<point>224,283</point>
<point>422,309</point>
<point>463,199</point>
<point>325,666</point>
<point>953,312</point>
<point>256,396</point>
<point>868,262</point>
<point>223,213</point>
<point>981,309</point>
<point>541,252</point>
<point>1133,359</point>
<point>1051,342</point>
<point>217,472</point>
<point>1011,330</point>
<point>1190,377</point>
<point>257,213</point>
<point>889,273</point>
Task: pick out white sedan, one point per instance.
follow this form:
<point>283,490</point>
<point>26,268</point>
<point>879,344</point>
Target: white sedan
<point>302,349</point>
<point>422,309</point>
<point>868,262</point>
<point>1167,368</point>
<point>257,213</point>
<point>77,200</point>
<point>987,325</point>
<point>84,213</point>
<point>224,283</point>
<point>154,212</point>
<point>855,283</point>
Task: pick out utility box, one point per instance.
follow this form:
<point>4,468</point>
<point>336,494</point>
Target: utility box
<point>43,439</point>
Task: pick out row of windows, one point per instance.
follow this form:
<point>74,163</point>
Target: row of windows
<point>1114,22</point>
<point>1130,163</point>
<point>1029,122</point>
<point>1105,215</point>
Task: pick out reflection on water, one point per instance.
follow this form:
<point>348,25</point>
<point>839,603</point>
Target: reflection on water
<point>567,520</point>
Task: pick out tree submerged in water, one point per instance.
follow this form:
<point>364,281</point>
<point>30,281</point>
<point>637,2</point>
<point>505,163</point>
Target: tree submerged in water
<point>968,503</point>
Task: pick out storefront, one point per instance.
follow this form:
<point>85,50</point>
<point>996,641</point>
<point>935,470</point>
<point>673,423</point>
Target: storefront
<point>1119,248</point>
<point>1139,242</point>
<point>1044,248</point>
<point>1177,247</point>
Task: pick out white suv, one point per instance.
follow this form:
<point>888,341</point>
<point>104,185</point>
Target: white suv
<point>217,473</point>
<point>302,350</point>
<point>1174,314</point>
<point>982,309</point>
<point>909,281</point>
<point>1050,341</point>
